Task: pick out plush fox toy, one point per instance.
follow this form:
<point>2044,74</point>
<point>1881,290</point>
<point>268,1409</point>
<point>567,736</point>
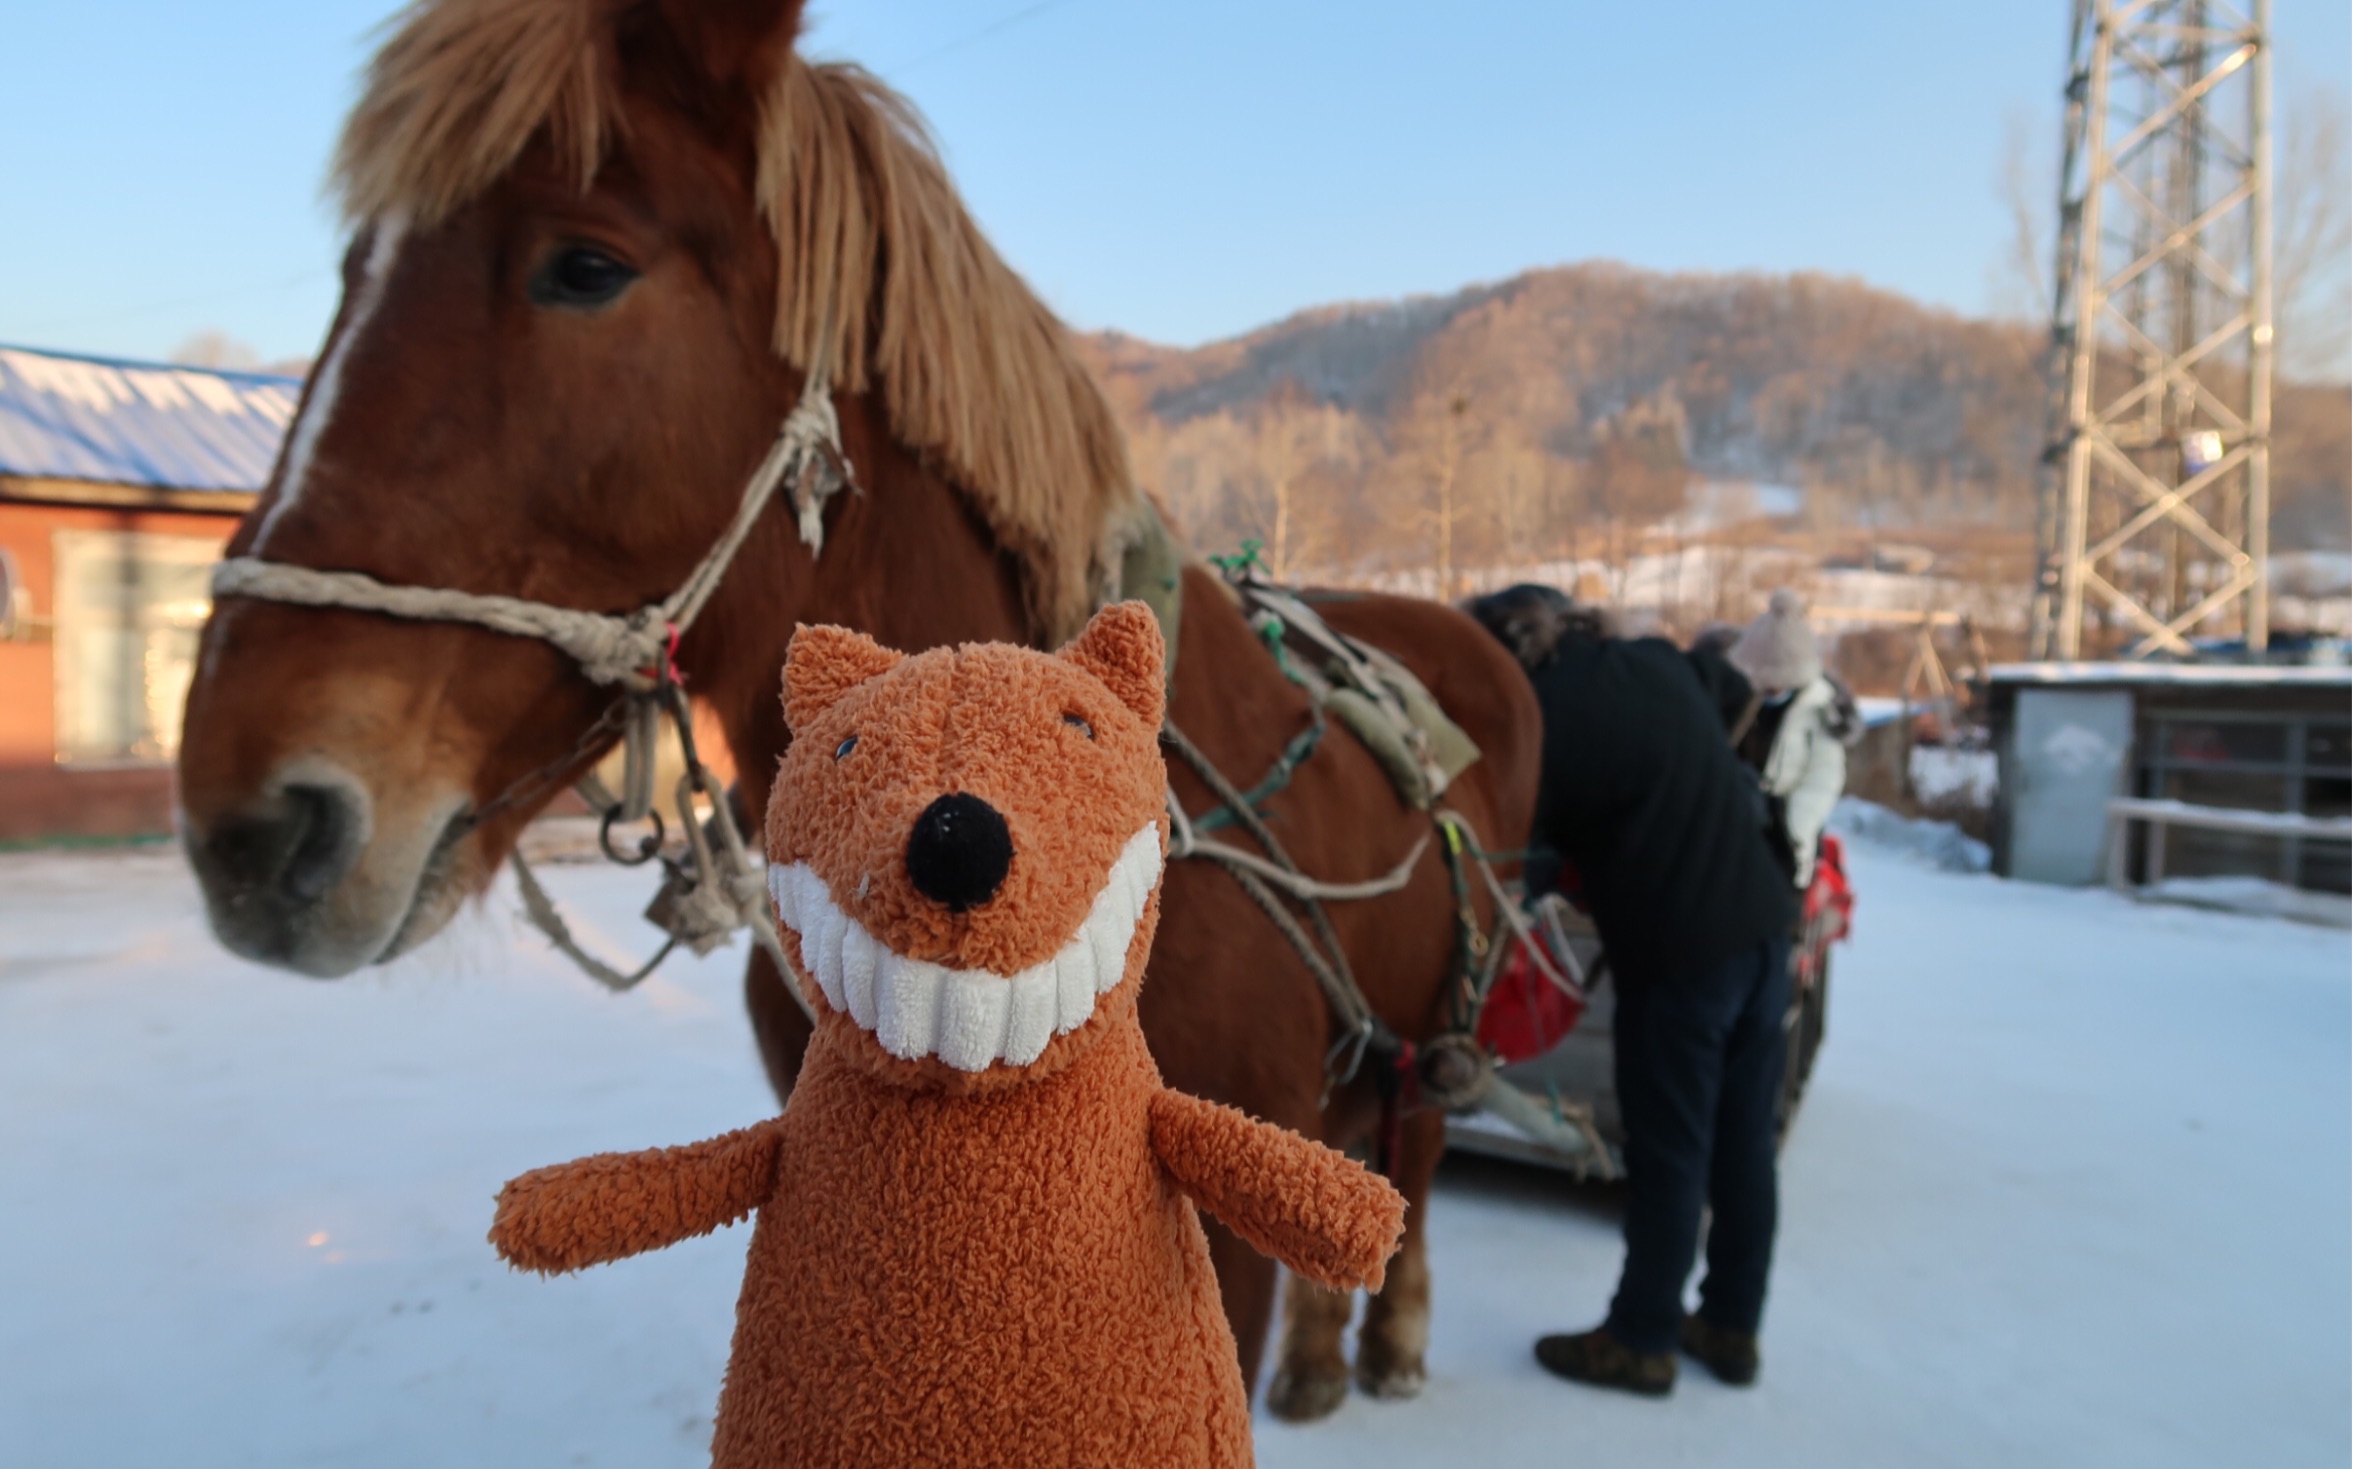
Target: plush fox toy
<point>976,1242</point>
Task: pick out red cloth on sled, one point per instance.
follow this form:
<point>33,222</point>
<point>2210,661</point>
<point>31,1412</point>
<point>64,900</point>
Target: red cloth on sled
<point>1526,1013</point>
<point>1830,892</point>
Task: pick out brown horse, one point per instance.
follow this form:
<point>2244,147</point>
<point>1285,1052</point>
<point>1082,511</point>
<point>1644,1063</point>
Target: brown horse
<point>596,244</point>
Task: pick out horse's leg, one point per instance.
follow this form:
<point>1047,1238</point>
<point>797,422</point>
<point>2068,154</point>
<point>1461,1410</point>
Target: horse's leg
<point>1246,1279</point>
<point>1311,1370</point>
<point>1311,1380</point>
<point>1396,1331</point>
<point>778,1026</point>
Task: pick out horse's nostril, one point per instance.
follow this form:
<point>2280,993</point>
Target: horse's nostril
<point>323,849</point>
<point>248,852</point>
<point>959,852</point>
<point>300,850</point>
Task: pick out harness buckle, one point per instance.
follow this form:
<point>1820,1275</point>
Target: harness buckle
<point>648,846</point>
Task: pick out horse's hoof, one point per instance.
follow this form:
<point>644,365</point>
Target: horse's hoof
<point>1396,1384</point>
<point>1300,1397</point>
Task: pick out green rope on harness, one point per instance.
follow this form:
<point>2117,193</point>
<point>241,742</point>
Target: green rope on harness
<point>1271,632</point>
<point>1246,559</point>
<point>1286,765</point>
<point>1510,854</point>
<point>1471,845</point>
<point>1470,939</point>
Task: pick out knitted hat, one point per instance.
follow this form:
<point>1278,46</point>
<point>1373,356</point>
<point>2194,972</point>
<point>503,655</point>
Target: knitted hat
<point>1777,652</point>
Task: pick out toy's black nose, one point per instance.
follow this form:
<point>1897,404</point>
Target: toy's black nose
<point>959,852</point>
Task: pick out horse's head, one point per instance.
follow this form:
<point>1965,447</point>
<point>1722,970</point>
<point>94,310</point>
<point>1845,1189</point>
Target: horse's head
<point>547,379</point>
<point>592,240</point>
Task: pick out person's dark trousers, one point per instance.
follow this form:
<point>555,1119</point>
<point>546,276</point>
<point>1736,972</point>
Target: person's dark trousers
<point>1699,1080</point>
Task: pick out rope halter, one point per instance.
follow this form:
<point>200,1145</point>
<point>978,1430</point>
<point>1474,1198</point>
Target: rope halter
<point>634,651</point>
<point>717,889</point>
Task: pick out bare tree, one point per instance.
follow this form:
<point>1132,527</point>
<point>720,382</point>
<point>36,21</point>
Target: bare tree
<point>2020,282</point>
<point>1638,477</point>
<point>2311,302</point>
<point>1521,486</point>
<point>2311,237</point>
<point>1441,441</point>
<point>213,347</point>
<point>1287,424</point>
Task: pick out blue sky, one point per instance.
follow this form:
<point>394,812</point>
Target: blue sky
<point>1179,172</point>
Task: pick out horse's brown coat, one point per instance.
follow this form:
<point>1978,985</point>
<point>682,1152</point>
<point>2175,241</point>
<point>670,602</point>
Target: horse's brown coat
<point>482,443</point>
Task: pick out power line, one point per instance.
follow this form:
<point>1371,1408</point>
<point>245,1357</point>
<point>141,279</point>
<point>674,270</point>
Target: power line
<point>972,38</point>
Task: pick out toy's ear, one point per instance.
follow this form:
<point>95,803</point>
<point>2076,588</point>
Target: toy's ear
<point>824,663</point>
<point>1122,647</point>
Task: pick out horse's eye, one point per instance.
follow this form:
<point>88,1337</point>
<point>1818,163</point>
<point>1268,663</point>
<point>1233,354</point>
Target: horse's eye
<point>1079,723</point>
<point>581,277</point>
<point>845,747</point>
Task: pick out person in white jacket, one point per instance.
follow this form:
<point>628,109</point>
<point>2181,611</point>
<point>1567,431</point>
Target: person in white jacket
<point>1798,738</point>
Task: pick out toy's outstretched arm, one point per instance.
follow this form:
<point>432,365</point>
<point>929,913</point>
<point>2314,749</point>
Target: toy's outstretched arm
<point>1329,1219</point>
<point>616,1204</point>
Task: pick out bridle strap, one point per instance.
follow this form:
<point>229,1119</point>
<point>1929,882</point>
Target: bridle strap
<point>634,651</point>
<point>610,650</point>
<point>718,888</point>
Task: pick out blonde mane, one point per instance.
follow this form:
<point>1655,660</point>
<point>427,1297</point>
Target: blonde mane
<point>879,263</point>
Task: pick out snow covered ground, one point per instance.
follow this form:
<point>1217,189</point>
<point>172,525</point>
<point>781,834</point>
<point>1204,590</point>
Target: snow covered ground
<point>2071,1189</point>
<point>1939,844</point>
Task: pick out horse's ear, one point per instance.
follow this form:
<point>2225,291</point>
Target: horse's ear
<point>1122,647</point>
<point>824,663</point>
<point>734,41</point>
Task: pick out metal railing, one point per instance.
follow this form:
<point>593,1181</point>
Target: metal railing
<point>2157,815</point>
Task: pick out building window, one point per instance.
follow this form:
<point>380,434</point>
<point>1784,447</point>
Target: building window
<point>2259,762</point>
<point>128,609</point>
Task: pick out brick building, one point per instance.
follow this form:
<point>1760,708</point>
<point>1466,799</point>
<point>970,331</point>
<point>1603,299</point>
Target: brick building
<point>119,484</point>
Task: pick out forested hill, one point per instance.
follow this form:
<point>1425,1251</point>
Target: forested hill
<point>1597,390</point>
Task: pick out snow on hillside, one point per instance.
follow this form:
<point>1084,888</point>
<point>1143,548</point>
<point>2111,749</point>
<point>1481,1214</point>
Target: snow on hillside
<point>2070,1190</point>
<point>1731,577</point>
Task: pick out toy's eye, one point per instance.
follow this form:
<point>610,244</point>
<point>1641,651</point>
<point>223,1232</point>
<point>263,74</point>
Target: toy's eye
<point>845,747</point>
<point>1080,724</point>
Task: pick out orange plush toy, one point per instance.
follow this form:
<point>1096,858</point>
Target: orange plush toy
<point>976,1242</point>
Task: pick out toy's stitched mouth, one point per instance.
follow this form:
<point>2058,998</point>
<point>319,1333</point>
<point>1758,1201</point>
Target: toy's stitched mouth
<point>969,1018</point>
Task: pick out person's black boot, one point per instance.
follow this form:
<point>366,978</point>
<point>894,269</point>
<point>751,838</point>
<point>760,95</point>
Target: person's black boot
<point>1730,1355</point>
<point>1599,1358</point>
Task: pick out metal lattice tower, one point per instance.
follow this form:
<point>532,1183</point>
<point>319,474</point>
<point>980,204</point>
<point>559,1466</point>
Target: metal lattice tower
<point>2156,496</point>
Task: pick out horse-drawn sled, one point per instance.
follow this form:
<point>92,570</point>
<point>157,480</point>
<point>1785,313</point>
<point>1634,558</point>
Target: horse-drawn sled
<point>1546,1015</point>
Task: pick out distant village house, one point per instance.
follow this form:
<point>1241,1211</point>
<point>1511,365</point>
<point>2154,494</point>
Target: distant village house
<point>120,483</point>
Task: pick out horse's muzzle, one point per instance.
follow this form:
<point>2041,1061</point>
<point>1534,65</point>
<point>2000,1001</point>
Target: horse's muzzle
<point>285,875</point>
<point>292,854</point>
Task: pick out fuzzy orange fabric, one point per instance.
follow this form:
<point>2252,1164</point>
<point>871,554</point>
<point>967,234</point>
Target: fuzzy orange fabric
<point>976,1240</point>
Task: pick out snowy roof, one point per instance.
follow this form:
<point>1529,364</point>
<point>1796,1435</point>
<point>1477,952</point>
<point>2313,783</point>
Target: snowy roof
<point>2228,675</point>
<point>140,423</point>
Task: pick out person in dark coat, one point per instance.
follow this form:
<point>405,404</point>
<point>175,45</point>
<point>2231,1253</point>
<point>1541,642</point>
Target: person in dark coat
<point>1735,699</point>
<point>1644,798</point>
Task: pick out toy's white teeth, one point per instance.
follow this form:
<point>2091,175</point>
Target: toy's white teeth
<point>969,1018</point>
